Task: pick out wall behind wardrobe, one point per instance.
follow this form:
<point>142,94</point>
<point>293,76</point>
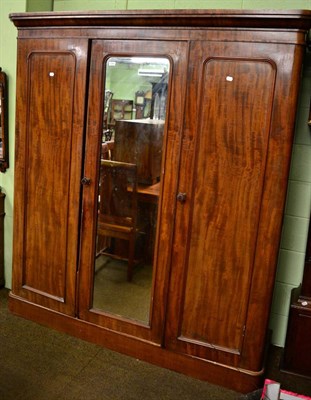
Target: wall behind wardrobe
<point>8,65</point>
<point>297,213</point>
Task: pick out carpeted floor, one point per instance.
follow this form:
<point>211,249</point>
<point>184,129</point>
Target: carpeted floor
<point>113,293</point>
<point>37,363</point>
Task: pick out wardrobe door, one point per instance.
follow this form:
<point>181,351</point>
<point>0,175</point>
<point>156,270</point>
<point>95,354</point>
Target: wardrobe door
<point>110,294</point>
<point>232,186</point>
<point>51,82</point>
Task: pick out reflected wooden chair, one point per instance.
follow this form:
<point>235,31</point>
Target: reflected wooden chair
<point>106,150</point>
<point>117,216</point>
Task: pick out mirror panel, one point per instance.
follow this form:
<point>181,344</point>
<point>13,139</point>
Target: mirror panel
<point>4,151</point>
<point>134,112</point>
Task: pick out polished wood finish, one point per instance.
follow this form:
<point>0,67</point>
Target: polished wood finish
<point>298,345</point>
<point>227,142</point>
<point>2,214</point>
<point>121,109</point>
<point>306,281</point>
<point>49,131</point>
<point>287,19</point>
<point>224,186</point>
<point>140,141</point>
<point>4,123</point>
<point>149,193</point>
<point>117,216</point>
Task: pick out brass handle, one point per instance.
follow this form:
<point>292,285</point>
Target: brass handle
<point>181,197</point>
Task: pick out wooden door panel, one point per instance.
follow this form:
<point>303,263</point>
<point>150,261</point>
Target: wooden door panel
<point>227,132</point>
<point>48,171</point>
<point>229,170</point>
<point>48,196</point>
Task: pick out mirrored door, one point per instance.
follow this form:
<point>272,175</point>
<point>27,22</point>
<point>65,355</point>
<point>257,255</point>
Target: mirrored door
<point>129,183</point>
<point>127,206</point>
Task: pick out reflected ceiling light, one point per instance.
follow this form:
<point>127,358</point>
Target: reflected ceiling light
<point>151,72</point>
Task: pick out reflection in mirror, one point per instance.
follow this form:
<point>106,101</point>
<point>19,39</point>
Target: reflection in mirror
<point>129,184</point>
<point>4,156</point>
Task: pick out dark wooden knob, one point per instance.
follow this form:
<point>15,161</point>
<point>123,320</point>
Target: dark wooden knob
<point>181,197</point>
<point>85,181</point>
